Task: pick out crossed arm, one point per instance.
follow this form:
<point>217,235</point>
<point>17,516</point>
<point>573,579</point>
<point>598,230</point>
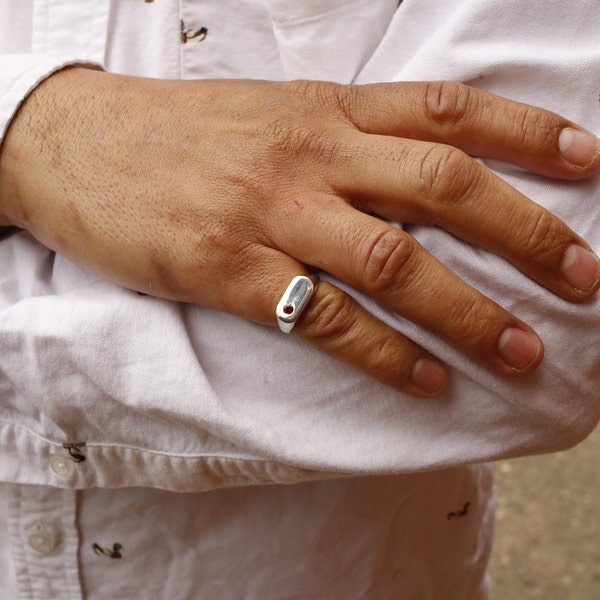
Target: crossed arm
<point>219,192</point>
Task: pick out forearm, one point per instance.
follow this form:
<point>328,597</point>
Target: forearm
<point>21,78</point>
<point>338,421</point>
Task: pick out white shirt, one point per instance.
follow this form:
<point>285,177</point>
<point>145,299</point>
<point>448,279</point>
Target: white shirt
<point>170,398</point>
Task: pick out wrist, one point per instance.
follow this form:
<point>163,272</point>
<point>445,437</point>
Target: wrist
<point>28,146</point>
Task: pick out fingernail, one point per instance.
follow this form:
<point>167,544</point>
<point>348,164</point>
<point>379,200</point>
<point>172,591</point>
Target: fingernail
<point>581,268</point>
<point>578,147</point>
<point>519,348</point>
<point>429,375</point>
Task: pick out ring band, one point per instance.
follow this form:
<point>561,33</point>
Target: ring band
<point>294,301</point>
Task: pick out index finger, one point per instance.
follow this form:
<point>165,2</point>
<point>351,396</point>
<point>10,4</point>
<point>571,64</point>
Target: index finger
<point>477,122</point>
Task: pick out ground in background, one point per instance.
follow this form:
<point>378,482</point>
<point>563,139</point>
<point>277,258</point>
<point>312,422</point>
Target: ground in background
<point>548,530</point>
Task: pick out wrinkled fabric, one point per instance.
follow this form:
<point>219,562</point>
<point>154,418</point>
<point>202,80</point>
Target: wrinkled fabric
<point>184,408</point>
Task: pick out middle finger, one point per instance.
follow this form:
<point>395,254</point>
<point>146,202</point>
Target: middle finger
<point>426,183</point>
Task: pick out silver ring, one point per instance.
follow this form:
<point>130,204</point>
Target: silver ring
<point>294,301</point>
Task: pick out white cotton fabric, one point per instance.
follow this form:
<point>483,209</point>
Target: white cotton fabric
<point>187,413</point>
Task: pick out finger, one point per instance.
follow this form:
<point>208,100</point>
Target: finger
<point>390,266</point>
<point>425,183</point>
<point>336,324</point>
<point>475,121</point>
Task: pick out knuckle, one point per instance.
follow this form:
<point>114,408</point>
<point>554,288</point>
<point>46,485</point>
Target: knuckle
<point>322,92</point>
<point>327,99</point>
<point>328,96</point>
<point>473,322</point>
<point>331,95</point>
<point>308,129</point>
<point>386,260</point>
<point>349,100</point>
<point>389,361</point>
<point>447,174</point>
<point>535,127</point>
<point>542,235</point>
<point>184,257</point>
<point>302,139</point>
<point>448,103</point>
<point>330,317</point>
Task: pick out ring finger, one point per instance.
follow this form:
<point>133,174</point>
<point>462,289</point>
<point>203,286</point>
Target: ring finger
<point>390,266</point>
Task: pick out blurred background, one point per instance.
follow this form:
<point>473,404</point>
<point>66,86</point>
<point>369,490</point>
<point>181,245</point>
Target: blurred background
<point>548,529</point>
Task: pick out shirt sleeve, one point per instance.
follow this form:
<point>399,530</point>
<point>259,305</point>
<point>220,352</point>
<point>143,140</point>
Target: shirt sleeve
<point>40,37</point>
<point>157,394</point>
<point>21,73</point>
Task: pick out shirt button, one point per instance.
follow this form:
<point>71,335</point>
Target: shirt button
<point>62,467</point>
<point>42,541</point>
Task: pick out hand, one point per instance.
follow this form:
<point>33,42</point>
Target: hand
<point>219,192</point>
